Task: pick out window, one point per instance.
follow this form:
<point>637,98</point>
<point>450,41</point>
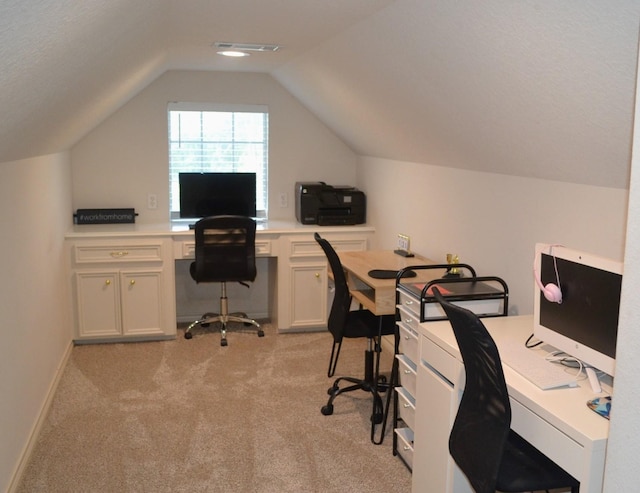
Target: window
<point>218,138</point>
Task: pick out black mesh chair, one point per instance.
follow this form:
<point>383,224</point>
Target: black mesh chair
<point>225,252</point>
<point>346,323</point>
<point>490,454</point>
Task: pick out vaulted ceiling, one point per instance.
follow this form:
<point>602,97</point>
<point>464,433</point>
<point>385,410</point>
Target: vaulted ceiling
<point>534,88</point>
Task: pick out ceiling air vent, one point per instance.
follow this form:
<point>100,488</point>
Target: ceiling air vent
<point>245,46</point>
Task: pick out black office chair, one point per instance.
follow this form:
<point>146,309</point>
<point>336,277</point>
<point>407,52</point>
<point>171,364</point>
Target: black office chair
<point>490,454</point>
<point>346,323</point>
<point>225,252</point>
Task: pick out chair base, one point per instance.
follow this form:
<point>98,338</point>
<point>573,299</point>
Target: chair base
<point>370,383</point>
<point>210,318</point>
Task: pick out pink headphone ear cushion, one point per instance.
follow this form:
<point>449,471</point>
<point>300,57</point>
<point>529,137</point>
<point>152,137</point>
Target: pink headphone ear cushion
<point>552,293</point>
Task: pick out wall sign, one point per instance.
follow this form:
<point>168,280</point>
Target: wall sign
<point>105,216</point>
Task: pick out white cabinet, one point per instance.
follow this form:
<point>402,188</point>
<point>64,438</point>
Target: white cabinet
<point>141,301</point>
<point>112,303</point>
<point>439,392</point>
<point>123,289</point>
<point>308,294</point>
<point>303,276</point>
<point>123,277</point>
<point>98,305</point>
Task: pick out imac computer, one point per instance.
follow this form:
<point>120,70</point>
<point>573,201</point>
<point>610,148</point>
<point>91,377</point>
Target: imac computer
<point>215,194</point>
<point>584,324</point>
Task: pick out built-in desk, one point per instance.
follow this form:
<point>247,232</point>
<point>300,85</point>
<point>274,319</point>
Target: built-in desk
<point>558,422</point>
<point>123,275</point>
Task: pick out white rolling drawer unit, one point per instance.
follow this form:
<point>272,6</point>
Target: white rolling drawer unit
<point>487,296</point>
<point>408,350</point>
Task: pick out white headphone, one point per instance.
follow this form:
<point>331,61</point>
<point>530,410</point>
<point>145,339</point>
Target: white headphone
<point>552,292</point>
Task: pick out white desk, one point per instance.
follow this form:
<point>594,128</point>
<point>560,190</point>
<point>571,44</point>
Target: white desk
<point>123,275</point>
<point>558,422</point>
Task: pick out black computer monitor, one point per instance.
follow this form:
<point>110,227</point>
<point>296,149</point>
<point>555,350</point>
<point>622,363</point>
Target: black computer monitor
<point>215,194</point>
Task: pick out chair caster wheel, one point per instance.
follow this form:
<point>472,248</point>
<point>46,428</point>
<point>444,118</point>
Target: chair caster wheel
<point>327,410</point>
<point>188,335</point>
<point>224,342</point>
<point>261,333</point>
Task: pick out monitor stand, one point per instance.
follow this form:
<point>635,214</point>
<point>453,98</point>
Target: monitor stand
<point>593,380</point>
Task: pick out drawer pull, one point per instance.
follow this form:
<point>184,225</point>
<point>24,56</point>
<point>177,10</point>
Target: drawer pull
<point>406,338</point>
<point>119,254</point>
<point>108,282</point>
<point>406,406</point>
<point>409,320</point>
<point>132,282</point>
<point>408,302</point>
<point>406,448</point>
<point>408,372</point>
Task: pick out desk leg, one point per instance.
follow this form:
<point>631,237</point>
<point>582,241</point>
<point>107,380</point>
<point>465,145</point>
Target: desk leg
<point>378,407</point>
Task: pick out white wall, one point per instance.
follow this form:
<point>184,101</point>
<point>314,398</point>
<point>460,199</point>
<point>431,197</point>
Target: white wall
<point>491,221</point>
<point>126,157</point>
<point>621,473</point>
<point>35,212</point>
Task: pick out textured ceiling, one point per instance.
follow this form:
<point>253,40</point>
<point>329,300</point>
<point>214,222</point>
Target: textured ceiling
<point>67,64</point>
<point>531,88</point>
<point>528,88</point>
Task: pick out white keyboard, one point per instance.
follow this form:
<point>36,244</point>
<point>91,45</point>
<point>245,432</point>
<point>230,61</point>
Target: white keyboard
<point>534,367</point>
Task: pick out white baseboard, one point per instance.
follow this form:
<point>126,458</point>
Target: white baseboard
<point>35,431</point>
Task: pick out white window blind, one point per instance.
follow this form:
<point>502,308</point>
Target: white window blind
<point>216,138</point>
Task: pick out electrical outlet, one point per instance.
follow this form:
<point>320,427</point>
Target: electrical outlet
<point>152,201</point>
<point>284,200</point>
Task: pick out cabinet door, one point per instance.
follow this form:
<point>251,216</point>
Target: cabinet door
<point>141,302</point>
<point>309,294</point>
<point>98,305</point>
<point>433,466</point>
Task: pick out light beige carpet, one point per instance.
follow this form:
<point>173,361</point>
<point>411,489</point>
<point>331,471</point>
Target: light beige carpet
<point>191,416</point>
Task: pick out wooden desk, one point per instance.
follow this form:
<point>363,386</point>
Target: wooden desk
<point>379,295</point>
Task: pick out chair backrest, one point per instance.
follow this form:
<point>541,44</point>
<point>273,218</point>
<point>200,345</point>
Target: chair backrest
<point>342,298</point>
<point>482,424</point>
<point>225,249</point>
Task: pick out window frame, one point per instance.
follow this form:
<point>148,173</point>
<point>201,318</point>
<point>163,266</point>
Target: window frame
<point>262,174</point>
